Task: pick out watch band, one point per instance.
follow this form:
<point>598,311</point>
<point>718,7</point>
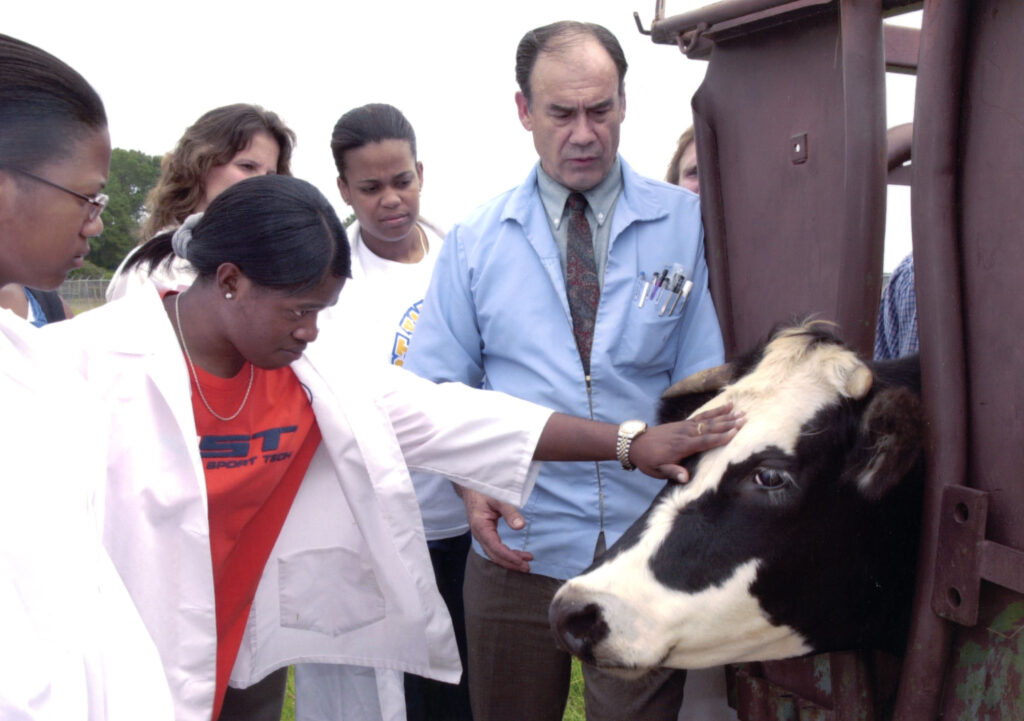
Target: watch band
<point>628,430</point>
<point>622,449</point>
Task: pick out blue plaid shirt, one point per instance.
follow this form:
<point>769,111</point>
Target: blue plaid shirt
<point>896,334</point>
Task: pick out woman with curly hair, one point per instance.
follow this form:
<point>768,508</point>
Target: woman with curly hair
<point>225,145</point>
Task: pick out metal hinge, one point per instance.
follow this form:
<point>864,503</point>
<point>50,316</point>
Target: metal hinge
<point>966,558</point>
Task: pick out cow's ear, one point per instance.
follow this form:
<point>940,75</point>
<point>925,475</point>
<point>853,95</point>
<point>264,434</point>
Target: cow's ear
<point>849,374</point>
<point>889,443</point>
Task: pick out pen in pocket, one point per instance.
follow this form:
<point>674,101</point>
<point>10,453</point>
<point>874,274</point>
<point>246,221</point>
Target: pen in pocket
<point>644,290</point>
<point>664,289</point>
<point>659,282</point>
<point>684,294</point>
<point>673,296</point>
<point>640,289</point>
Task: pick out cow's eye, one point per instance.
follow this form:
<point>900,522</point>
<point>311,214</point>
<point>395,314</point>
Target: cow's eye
<point>771,478</point>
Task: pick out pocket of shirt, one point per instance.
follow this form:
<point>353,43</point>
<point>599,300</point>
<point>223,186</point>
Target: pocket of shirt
<point>646,339</point>
<point>310,602</point>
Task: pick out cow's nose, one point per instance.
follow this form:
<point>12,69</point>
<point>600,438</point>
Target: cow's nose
<point>578,626</point>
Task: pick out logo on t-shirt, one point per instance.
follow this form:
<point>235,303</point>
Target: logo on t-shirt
<point>404,334</point>
<point>237,451</point>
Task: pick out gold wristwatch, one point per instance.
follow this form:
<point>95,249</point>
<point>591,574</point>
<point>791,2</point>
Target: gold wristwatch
<point>628,430</point>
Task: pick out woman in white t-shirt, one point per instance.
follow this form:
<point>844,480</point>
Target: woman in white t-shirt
<point>393,254</point>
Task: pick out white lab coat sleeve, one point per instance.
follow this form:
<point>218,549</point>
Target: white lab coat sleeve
<point>483,440</point>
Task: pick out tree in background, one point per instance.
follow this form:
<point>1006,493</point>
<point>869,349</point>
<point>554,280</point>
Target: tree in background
<point>132,175</point>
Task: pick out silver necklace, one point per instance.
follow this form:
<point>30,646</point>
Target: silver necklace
<point>192,367</point>
<point>423,239</point>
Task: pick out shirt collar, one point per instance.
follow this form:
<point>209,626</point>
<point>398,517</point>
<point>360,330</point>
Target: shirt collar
<point>600,198</point>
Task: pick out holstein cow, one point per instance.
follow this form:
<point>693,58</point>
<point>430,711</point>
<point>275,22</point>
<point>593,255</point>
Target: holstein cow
<point>798,536</point>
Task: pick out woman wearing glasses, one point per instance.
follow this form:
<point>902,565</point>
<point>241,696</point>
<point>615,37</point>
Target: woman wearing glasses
<point>56,246</point>
<point>223,146</point>
<point>73,646</point>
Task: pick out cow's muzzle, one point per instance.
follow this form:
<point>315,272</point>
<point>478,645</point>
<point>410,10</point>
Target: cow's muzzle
<point>578,626</point>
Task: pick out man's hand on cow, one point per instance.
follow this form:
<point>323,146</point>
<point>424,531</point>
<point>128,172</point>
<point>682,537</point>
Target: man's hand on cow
<point>483,513</point>
<point>658,451</point>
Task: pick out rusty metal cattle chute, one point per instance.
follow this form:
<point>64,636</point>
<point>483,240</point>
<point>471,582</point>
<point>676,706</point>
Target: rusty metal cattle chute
<point>790,125</point>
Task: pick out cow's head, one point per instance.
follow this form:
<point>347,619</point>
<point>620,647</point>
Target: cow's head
<point>798,536</point>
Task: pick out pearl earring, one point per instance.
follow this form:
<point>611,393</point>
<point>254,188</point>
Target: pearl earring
<point>229,295</point>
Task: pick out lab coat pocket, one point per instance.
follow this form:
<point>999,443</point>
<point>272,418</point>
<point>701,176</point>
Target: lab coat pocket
<point>329,590</point>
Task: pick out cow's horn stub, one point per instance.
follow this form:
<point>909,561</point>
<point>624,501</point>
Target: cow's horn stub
<point>709,379</point>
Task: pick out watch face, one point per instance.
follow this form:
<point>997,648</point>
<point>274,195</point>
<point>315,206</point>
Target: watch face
<point>631,428</point>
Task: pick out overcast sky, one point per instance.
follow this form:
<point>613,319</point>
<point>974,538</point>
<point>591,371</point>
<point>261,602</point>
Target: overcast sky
<point>447,64</point>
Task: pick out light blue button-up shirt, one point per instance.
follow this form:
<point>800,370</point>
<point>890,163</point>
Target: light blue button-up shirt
<point>496,315</point>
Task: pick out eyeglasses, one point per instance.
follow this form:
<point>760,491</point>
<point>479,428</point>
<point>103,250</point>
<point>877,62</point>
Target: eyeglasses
<point>96,202</point>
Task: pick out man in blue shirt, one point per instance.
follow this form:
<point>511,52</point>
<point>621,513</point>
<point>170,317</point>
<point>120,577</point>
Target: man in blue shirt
<point>583,289</point>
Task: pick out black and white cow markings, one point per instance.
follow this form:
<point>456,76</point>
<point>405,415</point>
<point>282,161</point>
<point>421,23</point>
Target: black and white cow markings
<point>799,536</point>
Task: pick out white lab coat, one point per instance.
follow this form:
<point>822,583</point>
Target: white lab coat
<point>72,645</point>
<point>349,580</point>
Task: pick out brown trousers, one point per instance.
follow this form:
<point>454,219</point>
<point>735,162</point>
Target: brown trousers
<point>516,671</point>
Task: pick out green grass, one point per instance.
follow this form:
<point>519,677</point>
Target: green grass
<point>288,712</point>
<point>573,709</point>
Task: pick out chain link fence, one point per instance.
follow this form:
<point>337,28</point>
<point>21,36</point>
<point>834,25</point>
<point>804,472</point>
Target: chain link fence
<point>84,294</point>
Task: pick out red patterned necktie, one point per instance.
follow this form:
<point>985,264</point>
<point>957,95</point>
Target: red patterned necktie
<point>581,278</point>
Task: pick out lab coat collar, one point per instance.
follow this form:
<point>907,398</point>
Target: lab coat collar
<point>147,329</point>
<point>148,334</point>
